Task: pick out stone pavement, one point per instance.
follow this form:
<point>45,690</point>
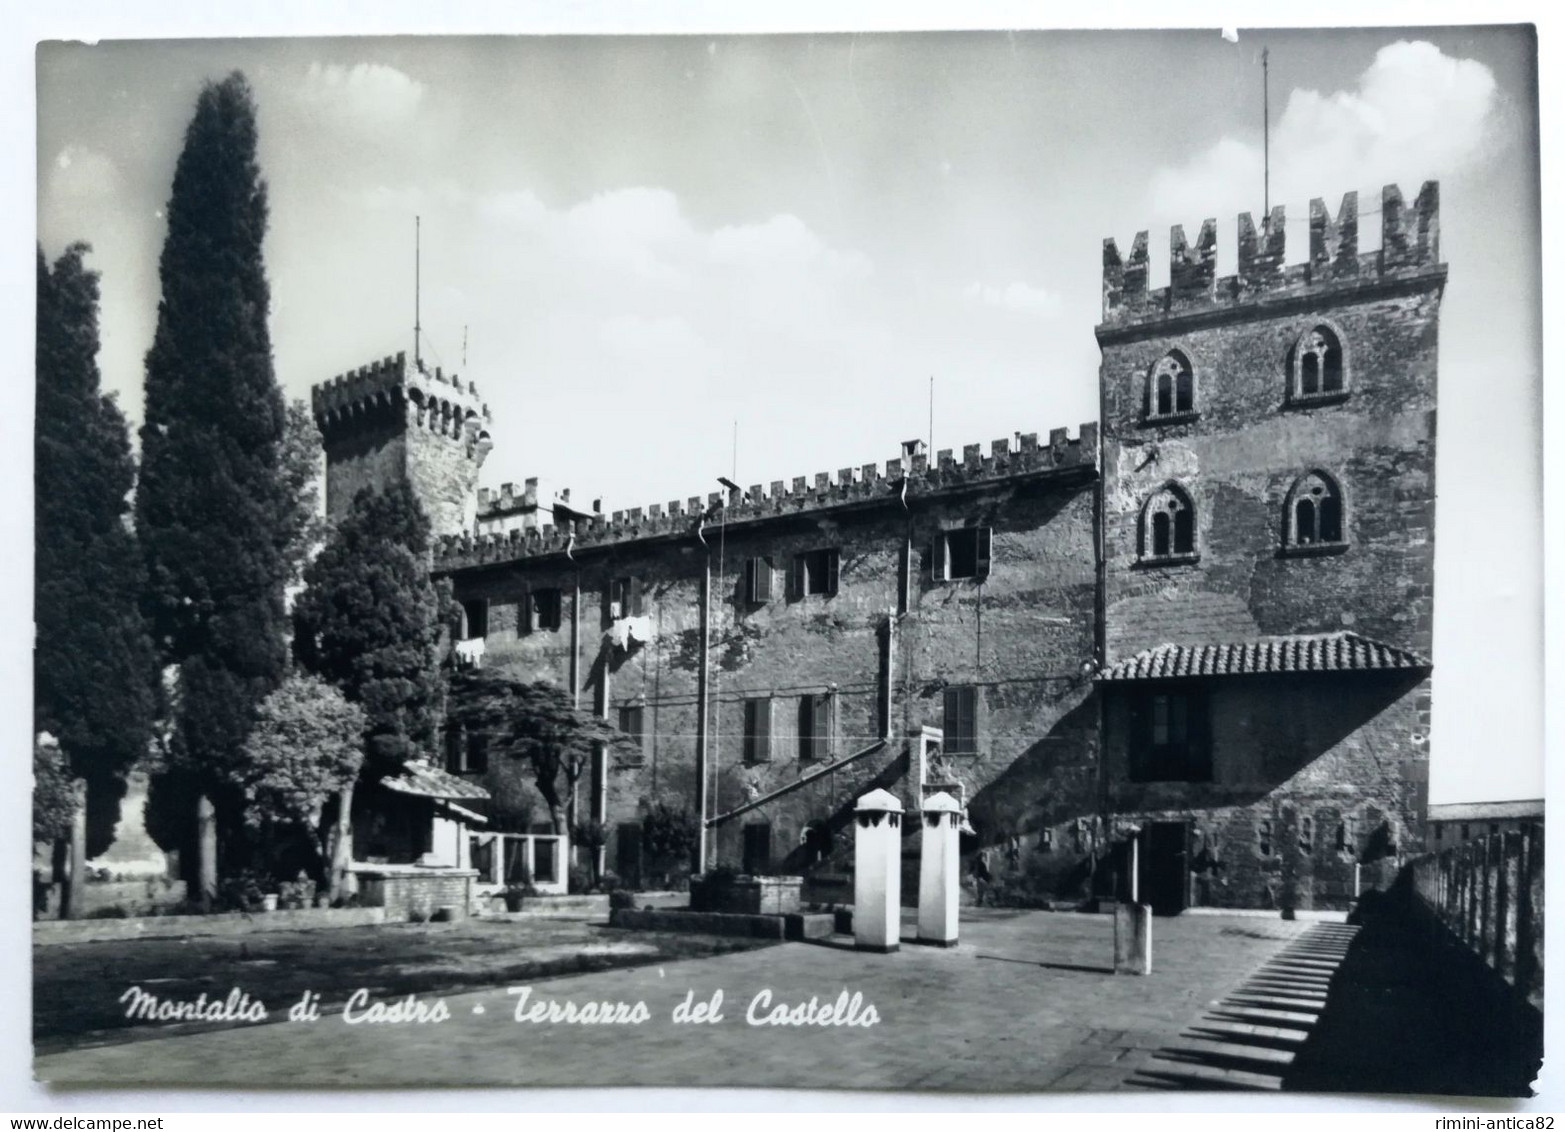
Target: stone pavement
<point>1027,1002</point>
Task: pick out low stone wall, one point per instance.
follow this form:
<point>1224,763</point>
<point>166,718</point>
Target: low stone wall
<point>46,932</point>
<point>745,895</point>
<point>1488,893</point>
<point>409,892</point>
<point>703,923</point>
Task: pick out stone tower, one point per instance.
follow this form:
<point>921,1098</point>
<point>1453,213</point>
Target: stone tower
<point>1268,512</point>
<point>390,421</point>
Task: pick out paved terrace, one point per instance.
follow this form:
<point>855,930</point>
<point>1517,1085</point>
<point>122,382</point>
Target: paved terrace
<point>1026,1003</point>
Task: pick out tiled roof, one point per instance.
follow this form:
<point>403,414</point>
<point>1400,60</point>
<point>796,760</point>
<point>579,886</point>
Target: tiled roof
<point>425,781</point>
<point>1325,652</point>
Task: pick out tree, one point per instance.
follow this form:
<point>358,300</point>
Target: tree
<point>301,469</point>
<point>94,672</point>
<point>537,723</point>
<point>368,621</point>
<point>305,749</point>
<point>213,507</point>
<point>668,837</point>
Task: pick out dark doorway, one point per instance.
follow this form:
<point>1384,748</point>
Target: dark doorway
<point>1165,867</point>
<point>758,848</point>
<point>627,853</point>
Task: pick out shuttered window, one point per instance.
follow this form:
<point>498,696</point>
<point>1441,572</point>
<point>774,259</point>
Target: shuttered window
<point>961,720</point>
<point>814,572</point>
<point>758,581</point>
<point>758,730</point>
<point>622,599</point>
<point>816,726</point>
<point>1169,736</point>
<point>633,722</point>
<point>543,611</point>
<point>962,554</point>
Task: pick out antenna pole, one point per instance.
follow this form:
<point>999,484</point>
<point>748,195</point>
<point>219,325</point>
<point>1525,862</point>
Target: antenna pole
<point>1266,137</point>
<point>931,416</point>
<point>418,361</point>
<point>464,348</point>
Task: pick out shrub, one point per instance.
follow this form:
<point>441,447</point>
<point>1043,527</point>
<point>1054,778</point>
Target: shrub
<point>580,879</point>
<point>110,912</point>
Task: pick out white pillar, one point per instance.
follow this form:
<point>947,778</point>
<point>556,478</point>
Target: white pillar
<point>939,871</point>
<point>877,873</point>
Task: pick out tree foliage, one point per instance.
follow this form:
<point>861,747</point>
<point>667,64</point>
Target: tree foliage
<point>306,747</point>
<point>94,673</point>
<point>536,723</point>
<point>54,795</point>
<point>213,507</point>
<point>369,622</point>
<point>302,456</point>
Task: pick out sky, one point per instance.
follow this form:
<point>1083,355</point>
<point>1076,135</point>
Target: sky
<point>668,259</point>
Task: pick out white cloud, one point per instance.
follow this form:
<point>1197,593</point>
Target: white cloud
<point>79,174</point>
<point>1416,114</point>
<point>365,95</point>
<point>1017,297</point>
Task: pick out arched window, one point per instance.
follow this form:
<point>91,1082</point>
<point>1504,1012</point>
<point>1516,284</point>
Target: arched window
<point>1168,525</point>
<point>1319,365</point>
<point>1314,512</point>
<point>1171,387</point>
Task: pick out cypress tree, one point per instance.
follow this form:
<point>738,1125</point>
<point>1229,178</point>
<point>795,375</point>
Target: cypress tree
<point>94,672</point>
<point>213,508</point>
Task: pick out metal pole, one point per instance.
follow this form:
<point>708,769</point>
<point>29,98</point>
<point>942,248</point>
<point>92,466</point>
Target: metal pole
<point>417,328</point>
<point>701,712</point>
<point>1266,137</point>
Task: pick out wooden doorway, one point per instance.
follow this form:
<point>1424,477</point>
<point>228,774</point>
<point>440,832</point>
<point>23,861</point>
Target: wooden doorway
<point>1164,878</point>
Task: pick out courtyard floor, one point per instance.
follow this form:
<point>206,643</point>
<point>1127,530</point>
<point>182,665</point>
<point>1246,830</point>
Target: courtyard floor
<point>1026,1003</point>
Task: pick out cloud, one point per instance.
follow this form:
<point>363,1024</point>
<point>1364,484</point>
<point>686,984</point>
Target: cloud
<point>79,174</point>
<point>1416,114</point>
<point>365,95</point>
<point>1017,297</point>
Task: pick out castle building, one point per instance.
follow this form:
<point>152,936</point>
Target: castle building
<point>1184,652</point>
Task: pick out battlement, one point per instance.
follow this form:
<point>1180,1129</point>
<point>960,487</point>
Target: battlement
<point>432,400</point>
<point>1409,246</point>
<point>866,484</point>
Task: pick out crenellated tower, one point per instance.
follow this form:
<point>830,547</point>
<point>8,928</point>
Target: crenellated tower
<point>1268,507</point>
<point>390,420</point>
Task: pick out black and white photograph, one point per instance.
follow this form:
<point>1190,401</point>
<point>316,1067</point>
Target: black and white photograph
<point>971,562</point>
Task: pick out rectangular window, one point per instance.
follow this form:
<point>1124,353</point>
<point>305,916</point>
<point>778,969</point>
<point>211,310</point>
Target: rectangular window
<point>543,611</point>
<point>961,720</point>
<point>624,598</point>
<point>475,619</point>
<point>1306,835</point>
<point>758,848</point>
<point>1345,835</point>
<point>962,554</point>
<point>466,752</point>
<point>1169,737</point>
<point>1263,837</point>
<point>758,581</point>
<point>633,721</point>
<point>757,730</point>
<point>815,572</point>
<point>815,726</point>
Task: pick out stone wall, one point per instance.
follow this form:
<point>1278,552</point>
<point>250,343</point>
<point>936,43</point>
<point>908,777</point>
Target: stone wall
<point>1022,636</point>
<point>1311,746</point>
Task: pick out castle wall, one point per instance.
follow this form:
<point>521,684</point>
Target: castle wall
<point>1022,637</point>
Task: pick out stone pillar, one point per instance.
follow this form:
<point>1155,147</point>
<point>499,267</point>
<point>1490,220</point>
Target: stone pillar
<point>72,897</point>
<point>877,873</point>
<point>1132,939</point>
<point>939,872</point>
<point>206,852</point>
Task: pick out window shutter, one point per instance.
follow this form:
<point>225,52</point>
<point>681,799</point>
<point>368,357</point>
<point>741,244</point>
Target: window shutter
<point>937,559</point>
<point>758,581</point>
<point>826,725</point>
<point>633,597</point>
<point>524,622</point>
<point>983,552</point>
<point>833,558</point>
<point>1139,720</point>
<point>1200,742</point>
<point>807,727</point>
<point>796,576</point>
<point>764,730</point>
<point>969,702</point>
<point>952,720</point>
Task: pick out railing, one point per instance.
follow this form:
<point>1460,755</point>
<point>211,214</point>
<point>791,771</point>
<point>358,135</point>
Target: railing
<point>1489,893</point>
<point>804,779</point>
<point>504,859</point>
